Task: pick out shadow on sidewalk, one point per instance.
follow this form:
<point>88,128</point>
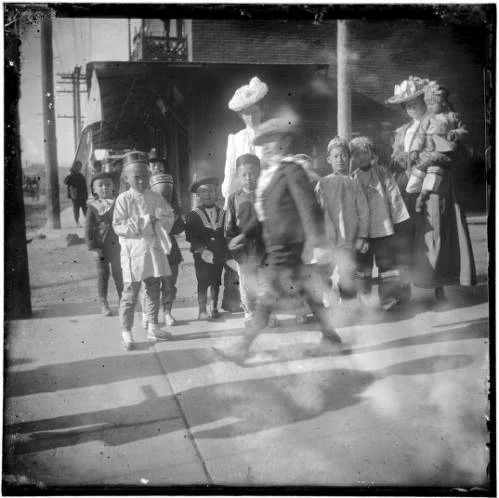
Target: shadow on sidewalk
<point>236,408</point>
<point>109,369</point>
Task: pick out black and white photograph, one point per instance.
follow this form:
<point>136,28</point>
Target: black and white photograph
<point>249,249</point>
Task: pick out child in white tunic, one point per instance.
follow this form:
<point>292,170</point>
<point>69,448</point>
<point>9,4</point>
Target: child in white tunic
<point>142,220</point>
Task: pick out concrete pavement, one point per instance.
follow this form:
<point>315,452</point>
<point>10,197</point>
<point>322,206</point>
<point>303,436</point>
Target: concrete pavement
<point>404,405</point>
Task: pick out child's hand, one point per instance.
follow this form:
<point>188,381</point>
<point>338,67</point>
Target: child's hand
<point>97,254</point>
<point>207,256</point>
<point>361,245</point>
<point>413,156</point>
<point>153,219</point>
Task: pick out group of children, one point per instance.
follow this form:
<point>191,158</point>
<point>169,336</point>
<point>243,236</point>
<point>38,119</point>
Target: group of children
<point>134,234</point>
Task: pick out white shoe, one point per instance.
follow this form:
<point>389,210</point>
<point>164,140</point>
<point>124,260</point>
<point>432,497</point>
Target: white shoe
<point>389,304</point>
<point>154,333</point>
<point>170,320</point>
<point>127,340</point>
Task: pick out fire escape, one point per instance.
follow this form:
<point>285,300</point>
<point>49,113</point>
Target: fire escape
<point>160,40</point>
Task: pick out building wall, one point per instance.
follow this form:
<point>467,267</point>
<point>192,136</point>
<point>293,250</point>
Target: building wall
<point>382,53</point>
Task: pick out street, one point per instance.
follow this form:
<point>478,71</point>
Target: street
<point>405,404</point>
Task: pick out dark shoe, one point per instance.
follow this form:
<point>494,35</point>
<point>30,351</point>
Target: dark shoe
<point>273,322</point>
<point>215,313</point>
<point>440,296</point>
<point>404,293</point>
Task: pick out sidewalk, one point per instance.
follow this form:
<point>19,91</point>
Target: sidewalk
<point>404,405</point>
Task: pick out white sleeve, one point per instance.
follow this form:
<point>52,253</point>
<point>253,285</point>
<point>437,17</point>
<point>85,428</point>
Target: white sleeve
<point>230,166</point>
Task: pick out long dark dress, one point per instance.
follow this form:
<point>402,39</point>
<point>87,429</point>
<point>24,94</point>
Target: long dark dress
<point>442,253</point>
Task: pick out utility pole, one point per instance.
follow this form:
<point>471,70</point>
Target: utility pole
<point>75,79</point>
<point>51,167</point>
<point>344,92</point>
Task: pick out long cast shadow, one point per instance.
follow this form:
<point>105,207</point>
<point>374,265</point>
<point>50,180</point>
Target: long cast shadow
<point>108,369</point>
<point>238,408</point>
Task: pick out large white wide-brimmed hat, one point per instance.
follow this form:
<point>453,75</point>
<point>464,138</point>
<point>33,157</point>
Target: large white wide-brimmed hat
<point>408,90</point>
<point>247,95</point>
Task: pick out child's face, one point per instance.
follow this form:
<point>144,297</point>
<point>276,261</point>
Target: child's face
<point>137,177</point>
<point>207,195</point>
<point>338,158</point>
<point>361,158</point>
<point>434,107</point>
<point>103,188</point>
<point>165,189</point>
<point>415,109</point>
<point>248,174</point>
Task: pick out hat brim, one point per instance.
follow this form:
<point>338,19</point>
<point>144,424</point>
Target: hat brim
<point>248,102</point>
<point>402,100</point>
<point>210,180</point>
<point>264,137</point>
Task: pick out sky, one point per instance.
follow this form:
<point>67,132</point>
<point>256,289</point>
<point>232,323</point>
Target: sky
<point>75,41</point>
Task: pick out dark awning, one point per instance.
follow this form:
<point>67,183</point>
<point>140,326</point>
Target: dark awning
<point>120,93</point>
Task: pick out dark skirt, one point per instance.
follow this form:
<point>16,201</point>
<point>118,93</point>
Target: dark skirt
<point>442,251</point>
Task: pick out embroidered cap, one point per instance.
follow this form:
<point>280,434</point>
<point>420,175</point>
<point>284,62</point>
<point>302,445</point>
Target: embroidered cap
<point>160,178</point>
<point>361,143</point>
<point>135,157</point>
<point>408,90</point>
<point>247,95</point>
<point>337,142</point>
<point>208,180</point>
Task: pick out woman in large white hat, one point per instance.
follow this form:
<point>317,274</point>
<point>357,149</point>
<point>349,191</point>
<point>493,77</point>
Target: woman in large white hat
<point>434,246</point>
<point>246,101</point>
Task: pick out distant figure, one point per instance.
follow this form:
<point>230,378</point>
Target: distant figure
<point>77,191</point>
<point>118,180</point>
<point>101,238</point>
<point>96,168</point>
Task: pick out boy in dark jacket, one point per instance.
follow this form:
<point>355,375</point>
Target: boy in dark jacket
<point>240,210</point>
<point>101,238</point>
<point>205,231</point>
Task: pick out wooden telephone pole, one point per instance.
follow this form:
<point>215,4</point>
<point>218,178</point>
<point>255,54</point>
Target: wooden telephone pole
<point>51,166</point>
<point>75,79</point>
<point>344,92</point>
